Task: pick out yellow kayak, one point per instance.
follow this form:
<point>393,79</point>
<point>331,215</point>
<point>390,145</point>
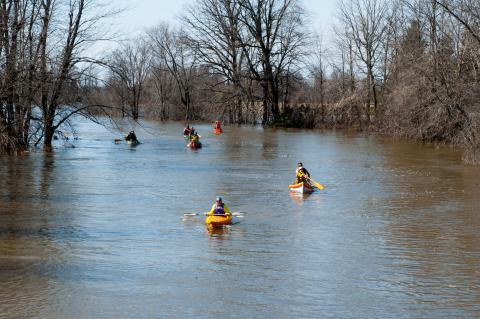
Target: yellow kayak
<point>218,220</point>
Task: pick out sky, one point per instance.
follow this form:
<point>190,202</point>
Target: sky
<point>142,14</point>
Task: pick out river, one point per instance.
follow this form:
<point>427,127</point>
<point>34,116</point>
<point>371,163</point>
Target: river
<point>97,230</point>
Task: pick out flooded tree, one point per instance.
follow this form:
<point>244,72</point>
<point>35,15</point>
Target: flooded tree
<point>41,64</point>
<point>20,46</point>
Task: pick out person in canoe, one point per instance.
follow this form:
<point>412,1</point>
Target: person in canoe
<point>187,131</point>
<point>192,131</point>
<point>131,137</point>
<point>219,208</point>
<point>302,174</point>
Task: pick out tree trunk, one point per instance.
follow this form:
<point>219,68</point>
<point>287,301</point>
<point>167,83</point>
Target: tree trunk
<point>375,95</point>
<point>352,76</point>
<point>369,90</point>
<point>271,110</point>
<point>48,134</point>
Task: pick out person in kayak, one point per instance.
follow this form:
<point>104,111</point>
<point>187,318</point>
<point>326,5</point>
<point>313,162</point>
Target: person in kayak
<point>131,136</point>
<point>219,208</point>
<point>302,175</point>
<point>187,130</point>
<point>194,138</point>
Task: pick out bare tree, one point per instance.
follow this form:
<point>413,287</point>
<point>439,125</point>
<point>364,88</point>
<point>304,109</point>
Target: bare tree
<point>180,59</point>
<point>318,73</point>
<point>214,27</point>
<point>163,84</point>
<point>366,21</point>
<point>346,66</point>
<point>272,39</point>
<point>130,66</point>
<point>467,12</point>
<point>21,34</point>
<point>40,64</point>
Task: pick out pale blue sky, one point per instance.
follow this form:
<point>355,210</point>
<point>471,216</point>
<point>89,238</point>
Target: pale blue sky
<point>147,13</point>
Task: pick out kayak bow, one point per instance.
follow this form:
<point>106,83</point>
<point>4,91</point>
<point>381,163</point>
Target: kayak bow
<point>216,221</point>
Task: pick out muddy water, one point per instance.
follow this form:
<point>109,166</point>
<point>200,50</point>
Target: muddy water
<point>96,231</point>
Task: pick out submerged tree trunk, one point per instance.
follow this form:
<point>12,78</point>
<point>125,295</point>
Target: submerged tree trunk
<point>49,131</point>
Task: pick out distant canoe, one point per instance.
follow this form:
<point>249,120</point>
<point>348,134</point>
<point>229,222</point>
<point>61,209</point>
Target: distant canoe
<point>217,131</point>
<point>303,188</point>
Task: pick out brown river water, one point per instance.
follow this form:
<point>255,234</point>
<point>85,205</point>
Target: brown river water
<point>96,231</point>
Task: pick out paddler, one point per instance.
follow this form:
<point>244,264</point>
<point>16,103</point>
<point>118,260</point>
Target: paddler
<point>131,136</point>
<point>187,130</point>
<point>219,208</point>
<point>194,138</point>
<point>302,175</point>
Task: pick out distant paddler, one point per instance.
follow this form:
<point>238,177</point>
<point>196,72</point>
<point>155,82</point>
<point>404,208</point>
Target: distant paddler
<point>303,183</point>
<point>219,215</point>
<point>131,138</point>
<point>302,175</point>
<point>195,138</point>
<point>217,129</point>
<point>219,208</point>
<point>187,131</point>
<point>194,141</point>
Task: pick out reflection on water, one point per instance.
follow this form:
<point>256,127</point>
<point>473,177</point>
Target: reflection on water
<point>217,232</point>
<point>97,231</point>
<point>299,198</point>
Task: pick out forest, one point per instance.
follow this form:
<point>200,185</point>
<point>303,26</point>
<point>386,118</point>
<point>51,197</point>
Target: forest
<point>403,68</point>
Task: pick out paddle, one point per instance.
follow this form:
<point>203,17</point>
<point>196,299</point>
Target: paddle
<point>316,184</point>
<point>193,214</point>
<point>236,214</point>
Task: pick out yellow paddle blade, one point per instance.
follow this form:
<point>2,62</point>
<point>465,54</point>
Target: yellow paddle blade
<point>317,185</point>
